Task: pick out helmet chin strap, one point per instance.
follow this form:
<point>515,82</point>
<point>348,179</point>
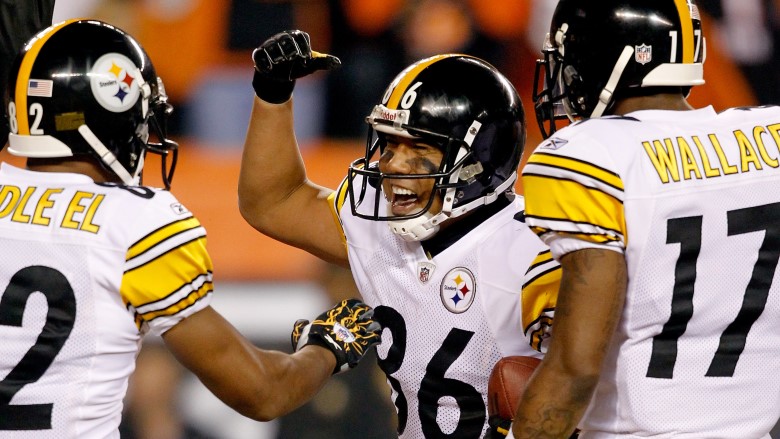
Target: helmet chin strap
<point>417,229</point>
<point>605,97</point>
<point>107,156</point>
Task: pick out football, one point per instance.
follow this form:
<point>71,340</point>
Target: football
<point>507,382</point>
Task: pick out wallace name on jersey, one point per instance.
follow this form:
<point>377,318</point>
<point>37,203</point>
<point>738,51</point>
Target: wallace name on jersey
<point>687,157</point>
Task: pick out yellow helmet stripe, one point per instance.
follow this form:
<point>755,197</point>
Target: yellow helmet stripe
<point>23,78</point>
<point>686,24</point>
<point>409,76</point>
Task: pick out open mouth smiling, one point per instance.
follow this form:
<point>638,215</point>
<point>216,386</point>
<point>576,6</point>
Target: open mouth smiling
<point>403,201</point>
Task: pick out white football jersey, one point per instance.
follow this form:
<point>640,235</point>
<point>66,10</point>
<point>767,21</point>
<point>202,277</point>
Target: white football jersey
<point>86,270</point>
<point>448,319</point>
<point>692,199</point>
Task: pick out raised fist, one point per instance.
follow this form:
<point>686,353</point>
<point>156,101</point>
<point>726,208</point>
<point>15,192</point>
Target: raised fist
<point>282,59</point>
<point>347,330</point>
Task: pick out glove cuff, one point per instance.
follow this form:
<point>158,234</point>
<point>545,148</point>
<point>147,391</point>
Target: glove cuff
<point>272,91</point>
<point>316,340</point>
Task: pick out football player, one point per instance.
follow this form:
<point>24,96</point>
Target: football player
<point>665,221</point>
<point>427,220</point>
<point>91,261</point>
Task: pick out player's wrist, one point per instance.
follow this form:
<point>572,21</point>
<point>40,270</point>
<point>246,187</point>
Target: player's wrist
<point>323,355</point>
<point>316,341</point>
<point>272,90</point>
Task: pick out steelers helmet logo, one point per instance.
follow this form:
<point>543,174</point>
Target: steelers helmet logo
<point>458,289</point>
<point>115,82</point>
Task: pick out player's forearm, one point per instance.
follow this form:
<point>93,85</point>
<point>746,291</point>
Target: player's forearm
<point>257,383</point>
<point>291,381</point>
<point>264,385</point>
<point>553,404</point>
<point>271,165</point>
<point>587,313</point>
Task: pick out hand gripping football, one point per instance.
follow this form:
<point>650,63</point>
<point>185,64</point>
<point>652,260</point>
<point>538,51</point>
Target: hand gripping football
<point>507,383</point>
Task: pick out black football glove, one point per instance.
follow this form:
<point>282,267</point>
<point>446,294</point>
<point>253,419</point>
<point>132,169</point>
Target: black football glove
<point>498,427</point>
<point>282,59</point>
<point>347,330</point>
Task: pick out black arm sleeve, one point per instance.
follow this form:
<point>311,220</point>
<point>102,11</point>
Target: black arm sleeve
<point>19,21</point>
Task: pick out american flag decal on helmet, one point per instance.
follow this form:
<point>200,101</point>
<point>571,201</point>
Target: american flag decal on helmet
<point>40,87</point>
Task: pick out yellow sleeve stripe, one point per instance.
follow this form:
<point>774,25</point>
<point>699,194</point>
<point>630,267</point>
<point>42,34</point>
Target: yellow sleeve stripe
<point>180,245</point>
<point>541,258</point>
<point>138,320</point>
<point>540,226</point>
<point>155,280</point>
<point>576,205</point>
<point>536,273</point>
<point>188,254</point>
<point>578,167</point>
<point>339,197</point>
<point>175,302</point>
<point>336,202</point>
<point>598,238</point>
<point>540,330</point>
<point>539,298</point>
<point>163,233</point>
<point>181,305</point>
<point>175,296</point>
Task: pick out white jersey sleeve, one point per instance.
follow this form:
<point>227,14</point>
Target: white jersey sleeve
<point>167,271</point>
<point>575,193</point>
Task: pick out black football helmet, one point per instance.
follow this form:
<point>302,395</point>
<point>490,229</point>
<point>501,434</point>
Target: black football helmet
<point>462,105</point>
<point>598,51</point>
<point>84,87</point>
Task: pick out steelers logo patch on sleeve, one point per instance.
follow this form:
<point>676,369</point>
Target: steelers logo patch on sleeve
<point>458,289</point>
<point>116,82</point>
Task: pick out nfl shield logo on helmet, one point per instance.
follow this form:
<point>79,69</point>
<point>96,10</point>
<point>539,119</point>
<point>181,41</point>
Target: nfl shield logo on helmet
<point>643,54</point>
<point>425,271</point>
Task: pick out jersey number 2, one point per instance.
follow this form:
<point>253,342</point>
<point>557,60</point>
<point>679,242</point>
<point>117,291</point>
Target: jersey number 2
<point>60,316</point>
<point>687,232</point>
<point>434,385</point>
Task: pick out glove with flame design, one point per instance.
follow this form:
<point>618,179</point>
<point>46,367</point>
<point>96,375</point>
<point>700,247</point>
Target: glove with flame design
<point>347,329</point>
